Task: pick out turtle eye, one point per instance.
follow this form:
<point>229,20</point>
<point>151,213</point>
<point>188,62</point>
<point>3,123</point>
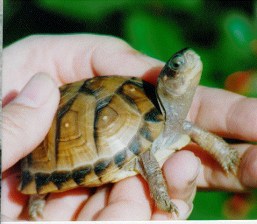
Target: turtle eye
<point>176,62</point>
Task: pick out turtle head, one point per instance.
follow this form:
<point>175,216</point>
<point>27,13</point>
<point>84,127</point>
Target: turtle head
<point>177,83</point>
<point>181,73</point>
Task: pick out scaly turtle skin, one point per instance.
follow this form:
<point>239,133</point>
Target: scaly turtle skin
<point>109,128</point>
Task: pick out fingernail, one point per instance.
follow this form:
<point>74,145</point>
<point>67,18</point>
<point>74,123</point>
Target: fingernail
<point>36,91</point>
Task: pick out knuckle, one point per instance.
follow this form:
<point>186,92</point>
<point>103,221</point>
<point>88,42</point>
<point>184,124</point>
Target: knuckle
<point>116,44</point>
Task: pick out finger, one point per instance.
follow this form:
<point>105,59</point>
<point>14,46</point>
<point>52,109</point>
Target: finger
<point>6,219</point>
<point>180,171</point>
<point>27,118</point>
<point>69,58</point>
<point>184,211</point>
<point>213,176</point>
<point>69,202</point>
<point>94,204</point>
<point>12,201</point>
<point>128,200</point>
<point>248,167</point>
<point>232,115</point>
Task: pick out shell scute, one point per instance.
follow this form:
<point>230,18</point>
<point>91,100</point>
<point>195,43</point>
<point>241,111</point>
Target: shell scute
<point>69,127</point>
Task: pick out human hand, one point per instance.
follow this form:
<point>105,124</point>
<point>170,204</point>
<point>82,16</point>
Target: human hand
<point>27,118</point>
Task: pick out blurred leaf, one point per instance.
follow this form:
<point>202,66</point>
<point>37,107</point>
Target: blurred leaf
<point>10,8</point>
<point>240,205</point>
<point>243,82</point>
<point>153,35</point>
<point>85,9</point>
<point>160,38</point>
<point>252,213</point>
<point>208,59</point>
<point>192,6</point>
<point>234,51</point>
<point>213,206</point>
<point>208,205</point>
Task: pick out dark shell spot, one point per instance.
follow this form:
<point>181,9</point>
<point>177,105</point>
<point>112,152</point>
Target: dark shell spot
<point>153,116</point>
<point>63,110</point>
<point>58,178</point>
<point>146,133</point>
<point>86,88</point>
<point>128,100</point>
<point>150,92</point>
<point>122,93</point>
<point>101,166</point>
<point>41,179</point>
<point>102,103</point>
<point>120,158</point>
<point>26,178</point>
<point>79,174</point>
<point>135,81</point>
<point>29,158</point>
<point>135,146</point>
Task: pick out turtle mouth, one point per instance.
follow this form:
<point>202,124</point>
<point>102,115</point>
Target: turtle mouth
<point>193,61</point>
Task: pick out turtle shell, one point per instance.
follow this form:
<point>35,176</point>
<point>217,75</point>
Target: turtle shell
<point>101,126</point>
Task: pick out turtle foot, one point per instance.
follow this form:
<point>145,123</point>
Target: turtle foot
<point>36,207</point>
<point>230,161</point>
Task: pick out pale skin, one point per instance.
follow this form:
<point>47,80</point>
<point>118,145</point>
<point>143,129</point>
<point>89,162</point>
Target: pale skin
<point>30,101</point>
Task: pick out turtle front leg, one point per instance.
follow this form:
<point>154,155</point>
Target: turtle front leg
<point>151,171</point>
<point>226,156</point>
<point>36,206</point>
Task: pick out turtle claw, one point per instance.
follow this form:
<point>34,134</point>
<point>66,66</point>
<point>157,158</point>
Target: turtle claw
<point>170,207</point>
<point>230,162</point>
<point>174,209</point>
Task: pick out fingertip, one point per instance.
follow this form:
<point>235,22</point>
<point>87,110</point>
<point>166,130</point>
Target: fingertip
<point>123,210</point>
<point>37,91</point>
<point>184,211</point>
<point>181,172</point>
<point>12,201</point>
<point>128,200</point>
<point>27,118</point>
<point>94,205</point>
<point>69,202</point>
<point>248,167</point>
<point>6,219</point>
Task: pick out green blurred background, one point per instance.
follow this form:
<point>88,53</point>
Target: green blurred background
<point>224,33</point>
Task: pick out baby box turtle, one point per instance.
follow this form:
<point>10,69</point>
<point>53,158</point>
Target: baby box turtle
<point>112,127</point>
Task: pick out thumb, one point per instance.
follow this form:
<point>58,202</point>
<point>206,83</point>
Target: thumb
<point>27,119</point>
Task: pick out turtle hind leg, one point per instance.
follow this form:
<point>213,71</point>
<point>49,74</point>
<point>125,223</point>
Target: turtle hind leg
<point>36,206</point>
<point>226,156</point>
<point>151,171</point>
